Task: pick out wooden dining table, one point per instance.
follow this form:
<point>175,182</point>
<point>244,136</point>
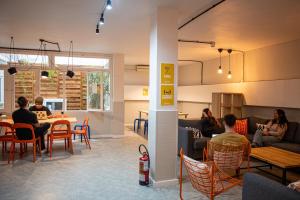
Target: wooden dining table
<point>49,120</point>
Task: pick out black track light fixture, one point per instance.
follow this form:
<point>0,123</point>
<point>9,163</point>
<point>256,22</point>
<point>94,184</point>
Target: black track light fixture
<point>108,5</point>
<point>97,29</point>
<point>220,71</point>
<point>101,22</point>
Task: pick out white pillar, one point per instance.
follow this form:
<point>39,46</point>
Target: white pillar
<point>162,136</point>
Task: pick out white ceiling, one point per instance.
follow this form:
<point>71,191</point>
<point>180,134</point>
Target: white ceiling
<point>238,24</point>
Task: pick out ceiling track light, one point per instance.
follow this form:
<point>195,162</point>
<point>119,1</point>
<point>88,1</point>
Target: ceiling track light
<point>101,21</point>
<point>229,76</point>
<point>97,29</point>
<point>220,71</point>
<point>108,5</point>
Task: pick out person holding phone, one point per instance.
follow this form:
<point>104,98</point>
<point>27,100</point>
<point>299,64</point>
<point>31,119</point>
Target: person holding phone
<point>210,125</point>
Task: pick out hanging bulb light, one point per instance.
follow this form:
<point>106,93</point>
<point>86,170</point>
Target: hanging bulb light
<point>44,74</point>
<point>97,30</point>
<point>108,5</point>
<point>70,73</point>
<point>11,70</point>
<point>229,76</point>
<point>220,71</point>
<point>101,22</point>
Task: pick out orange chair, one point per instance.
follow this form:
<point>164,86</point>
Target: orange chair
<point>60,133</point>
<point>7,137</point>
<point>206,177</point>
<point>15,140</point>
<point>83,132</point>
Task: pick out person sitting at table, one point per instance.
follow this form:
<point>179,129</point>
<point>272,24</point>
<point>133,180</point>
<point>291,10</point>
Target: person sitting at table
<point>210,125</point>
<point>22,115</point>
<point>39,106</point>
<point>273,131</point>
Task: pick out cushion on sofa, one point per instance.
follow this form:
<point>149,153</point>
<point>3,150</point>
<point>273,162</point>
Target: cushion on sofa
<point>288,146</point>
<point>297,135</point>
<point>241,126</point>
<point>289,135</point>
<point>252,121</point>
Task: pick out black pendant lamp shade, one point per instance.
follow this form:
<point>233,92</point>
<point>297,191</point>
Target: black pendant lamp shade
<point>12,70</point>
<point>70,73</point>
<point>45,74</point>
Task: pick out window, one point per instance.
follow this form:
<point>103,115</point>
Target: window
<point>1,89</point>
<point>98,91</point>
<point>83,62</point>
<point>23,59</point>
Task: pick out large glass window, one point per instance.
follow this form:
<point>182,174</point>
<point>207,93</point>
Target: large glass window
<point>98,91</point>
<point>23,59</point>
<point>1,89</point>
<point>83,62</point>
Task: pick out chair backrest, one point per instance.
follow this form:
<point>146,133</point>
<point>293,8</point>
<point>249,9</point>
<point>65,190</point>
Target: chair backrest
<point>202,176</point>
<point>85,123</point>
<point>23,128</point>
<point>226,156</point>
<point>8,127</point>
<point>64,127</point>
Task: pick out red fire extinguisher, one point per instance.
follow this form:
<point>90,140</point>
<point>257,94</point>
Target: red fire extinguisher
<point>144,163</point>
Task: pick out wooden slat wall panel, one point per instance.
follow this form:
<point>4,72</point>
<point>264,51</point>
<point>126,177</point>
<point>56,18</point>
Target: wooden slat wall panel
<point>24,85</point>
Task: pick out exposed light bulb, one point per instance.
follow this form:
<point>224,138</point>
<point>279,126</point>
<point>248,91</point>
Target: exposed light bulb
<point>108,5</point>
<point>220,71</point>
<point>229,76</point>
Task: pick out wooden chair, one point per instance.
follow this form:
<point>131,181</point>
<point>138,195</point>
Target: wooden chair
<point>7,136</point>
<point>15,140</point>
<point>228,155</point>
<point>206,177</point>
<point>60,133</point>
<point>83,132</point>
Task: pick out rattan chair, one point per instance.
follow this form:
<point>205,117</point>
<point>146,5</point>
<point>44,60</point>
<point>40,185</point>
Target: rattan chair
<point>206,177</point>
<point>228,155</point>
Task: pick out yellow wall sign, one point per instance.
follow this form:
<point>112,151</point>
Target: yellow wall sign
<point>167,95</point>
<point>145,91</point>
<point>167,73</point>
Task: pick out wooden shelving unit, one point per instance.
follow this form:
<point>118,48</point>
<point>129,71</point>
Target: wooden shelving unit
<point>226,103</point>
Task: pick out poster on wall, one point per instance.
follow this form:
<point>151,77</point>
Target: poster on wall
<point>167,95</point>
<point>167,73</point>
<point>145,91</point>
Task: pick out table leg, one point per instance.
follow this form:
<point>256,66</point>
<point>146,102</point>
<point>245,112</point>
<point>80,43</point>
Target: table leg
<point>283,180</point>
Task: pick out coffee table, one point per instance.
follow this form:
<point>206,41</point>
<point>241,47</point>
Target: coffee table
<point>277,157</point>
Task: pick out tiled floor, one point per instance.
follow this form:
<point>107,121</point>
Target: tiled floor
<point>108,171</point>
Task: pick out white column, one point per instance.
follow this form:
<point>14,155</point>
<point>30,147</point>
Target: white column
<point>162,136</point>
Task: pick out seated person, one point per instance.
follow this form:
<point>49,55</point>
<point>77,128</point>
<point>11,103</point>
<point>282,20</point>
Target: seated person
<point>22,115</point>
<point>39,106</point>
<point>209,124</point>
<point>273,131</point>
<point>231,137</point>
